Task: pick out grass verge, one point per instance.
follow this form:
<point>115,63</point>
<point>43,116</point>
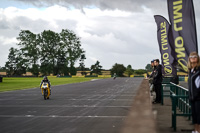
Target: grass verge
<point>10,84</point>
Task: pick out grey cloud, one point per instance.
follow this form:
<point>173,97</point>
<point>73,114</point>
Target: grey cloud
<point>136,43</point>
<point>4,50</point>
<point>10,28</point>
<point>126,30</point>
<point>36,26</point>
<point>13,27</point>
<point>127,5</point>
<point>25,23</point>
<point>3,26</point>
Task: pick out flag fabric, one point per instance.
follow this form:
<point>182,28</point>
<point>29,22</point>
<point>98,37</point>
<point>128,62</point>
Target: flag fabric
<point>163,28</point>
<point>184,37</point>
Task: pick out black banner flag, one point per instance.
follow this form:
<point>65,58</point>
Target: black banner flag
<point>184,38</point>
<point>163,28</point>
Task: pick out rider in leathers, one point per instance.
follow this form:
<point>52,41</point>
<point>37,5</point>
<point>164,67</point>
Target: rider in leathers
<point>45,79</point>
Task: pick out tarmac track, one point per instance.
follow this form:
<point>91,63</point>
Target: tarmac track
<point>98,106</point>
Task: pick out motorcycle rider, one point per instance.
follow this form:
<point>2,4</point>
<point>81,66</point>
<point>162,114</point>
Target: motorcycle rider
<point>114,76</point>
<point>45,79</point>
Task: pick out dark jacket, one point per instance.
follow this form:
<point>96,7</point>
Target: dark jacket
<point>151,76</point>
<point>194,92</point>
<point>152,73</point>
<point>157,75</point>
<point>45,81</point>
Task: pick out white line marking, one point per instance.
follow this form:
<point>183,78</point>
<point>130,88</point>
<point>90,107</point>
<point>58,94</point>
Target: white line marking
<point>56,116</point>
<point>10,91</point>
<point>94,79</point>
<point>65,106</point>
<point>70,99</point>
<point>28,115</point>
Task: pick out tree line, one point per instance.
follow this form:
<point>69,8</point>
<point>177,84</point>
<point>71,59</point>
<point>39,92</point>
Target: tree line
<point>47,52</point>
<point>54,53</point>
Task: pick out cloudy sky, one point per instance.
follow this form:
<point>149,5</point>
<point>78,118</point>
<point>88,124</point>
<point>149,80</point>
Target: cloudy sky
<point>111,31</point>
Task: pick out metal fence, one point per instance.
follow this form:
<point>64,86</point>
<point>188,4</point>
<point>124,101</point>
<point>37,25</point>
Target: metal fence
<point>180,101</point>
<point>179,98</point>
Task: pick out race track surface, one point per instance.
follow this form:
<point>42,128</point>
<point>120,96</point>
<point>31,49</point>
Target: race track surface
<point>98,106</point>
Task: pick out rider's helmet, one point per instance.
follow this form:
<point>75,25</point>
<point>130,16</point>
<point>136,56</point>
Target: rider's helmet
<point>45,78</point>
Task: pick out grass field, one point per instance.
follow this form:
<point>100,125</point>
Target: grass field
<point>10,84</point>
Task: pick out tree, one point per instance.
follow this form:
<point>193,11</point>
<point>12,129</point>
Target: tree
<point>2,69</point>
<point>62,65</point>
<point>35,69</point>
<point>119,69</point>
<point>48,52</point>
<point>49,42</point>
<point>72,44</point>
<point>16,64</point>
<point>96,68</point>
<point>82,65</point>
<point>140,71</point>
<point>29,46</point>
<point>73,70</point>
<point>129,71</point>
<point>149,68</point>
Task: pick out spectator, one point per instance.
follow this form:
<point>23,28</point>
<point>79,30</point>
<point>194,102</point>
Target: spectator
<point>152,63</point>
<point>151,78</point>
<point>194,89</point>
<point>153,67</point>
<point>157,80</point>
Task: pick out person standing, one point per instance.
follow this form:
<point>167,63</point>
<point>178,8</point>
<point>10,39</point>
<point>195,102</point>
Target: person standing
<point>153,68</point>
<point>194,89</point>
<point>157,80</point>
<point>152,64</point>
<point>151,76</point>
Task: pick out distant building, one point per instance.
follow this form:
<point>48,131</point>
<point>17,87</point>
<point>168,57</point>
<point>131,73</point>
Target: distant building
<point>3,73</point>
<point>27,74</point>
<point>79,73</point>
<point>104,72</point>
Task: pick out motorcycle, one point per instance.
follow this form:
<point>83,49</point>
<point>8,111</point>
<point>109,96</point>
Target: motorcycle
<point>114,76</point>
<point>45,90</point>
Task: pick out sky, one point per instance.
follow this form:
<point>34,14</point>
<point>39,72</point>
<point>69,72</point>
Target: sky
<point>111,31</point>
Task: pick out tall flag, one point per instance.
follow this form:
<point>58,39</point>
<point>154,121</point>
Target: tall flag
<point>184,37</point>
<point>163,28</point>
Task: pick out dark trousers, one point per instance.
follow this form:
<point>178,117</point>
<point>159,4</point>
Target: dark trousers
<point>158,92</point>
<point>195,107</point>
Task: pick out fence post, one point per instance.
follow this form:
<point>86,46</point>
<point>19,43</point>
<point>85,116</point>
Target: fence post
<point>174,101</point>
<point>162,95</point>
<point>179,98</point>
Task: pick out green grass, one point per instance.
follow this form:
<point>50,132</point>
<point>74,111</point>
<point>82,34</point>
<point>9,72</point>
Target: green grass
<point>10,84</point>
